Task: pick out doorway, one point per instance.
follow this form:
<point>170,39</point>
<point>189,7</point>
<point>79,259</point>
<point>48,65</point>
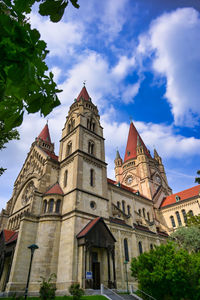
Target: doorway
<point>96,275</point>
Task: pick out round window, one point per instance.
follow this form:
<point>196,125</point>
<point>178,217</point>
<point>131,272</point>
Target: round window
<point>93,204</point>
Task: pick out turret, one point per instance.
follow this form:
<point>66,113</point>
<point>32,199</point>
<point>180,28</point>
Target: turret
<point>118,166</point>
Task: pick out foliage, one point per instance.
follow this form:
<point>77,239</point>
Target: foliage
<point>188,238</point>
<point>47,288</point>
<point>76,291</point>
<point>193,220</point>
<point>24,82</point>
<point>168,272</point>
<point>197,179</point>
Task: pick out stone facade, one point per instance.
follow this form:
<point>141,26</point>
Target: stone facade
<point>81,220</point>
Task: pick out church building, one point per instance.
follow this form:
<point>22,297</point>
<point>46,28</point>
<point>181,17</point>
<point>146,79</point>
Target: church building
<point>87,226</point>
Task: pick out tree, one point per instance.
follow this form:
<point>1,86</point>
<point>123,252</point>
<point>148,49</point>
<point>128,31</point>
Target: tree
<point>197,179</point>
<point>193,220</point>
<point>24,82</point>
<point>188,238</point>
<point>168,273</point>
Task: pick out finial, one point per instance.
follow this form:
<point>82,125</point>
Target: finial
<point>84,82</point>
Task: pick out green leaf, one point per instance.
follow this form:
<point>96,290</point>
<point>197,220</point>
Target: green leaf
<point>74,3</point>
<point>54,9</point>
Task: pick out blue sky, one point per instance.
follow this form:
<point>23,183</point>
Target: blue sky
<point>141,61</point>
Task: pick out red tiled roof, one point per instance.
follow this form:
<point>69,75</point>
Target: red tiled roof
<point>52,155</point>
<point>13,238</point>
<point>131,146</point>
<point>9,235</point>
<point>55,189</point>
<point>186,194</point>
<point>44,134</point>
<point>125,187</point>
<point>83,94</point>
<point>88,227</point>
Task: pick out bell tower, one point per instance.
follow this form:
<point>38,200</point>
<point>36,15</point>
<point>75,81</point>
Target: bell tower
<point>83,174</point>
<point>140,170</point>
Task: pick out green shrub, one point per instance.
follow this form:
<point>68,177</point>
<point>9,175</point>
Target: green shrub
<point>76,291</point>
<point>47,288</point>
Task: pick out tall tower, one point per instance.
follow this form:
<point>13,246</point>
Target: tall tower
<point>140,170</point>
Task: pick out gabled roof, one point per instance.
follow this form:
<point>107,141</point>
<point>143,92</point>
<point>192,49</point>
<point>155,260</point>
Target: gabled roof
<point>127,188</point>
<point>55,189</point>
<point>88,227</point>
<point>44,134</point>
<point>83,94</point>
<point>183,195</point>
<point>10,236</point>
<point>131,147</point>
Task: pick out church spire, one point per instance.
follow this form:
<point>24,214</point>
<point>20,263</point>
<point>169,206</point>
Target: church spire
<point>134,140</point>
<point>83,95</point>
<point>44,134</point>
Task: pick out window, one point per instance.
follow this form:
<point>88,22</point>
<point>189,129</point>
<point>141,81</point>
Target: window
<point>178,218</point>
<point>69,148</point>
<point>51,204</point>
<point>92,177</point>
<point>65,178</point>
<point>129,209</point>
<point>184,215</point>
<point>118,204</point>
<point>172,221</point>
<point>93,126</point>
<point>139,212</point>
<point>91,148</point>
<point>140,247</point>
<point>58,203</point>
<point>190,212</point>
<point>148,216</point>
<point>126,250</point>
<point>123,206</point>
<point>151,246</point>
<point>144,213</point>
<point>45,206</point>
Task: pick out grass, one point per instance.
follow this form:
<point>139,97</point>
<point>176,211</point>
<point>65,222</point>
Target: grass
<point>92,297</point>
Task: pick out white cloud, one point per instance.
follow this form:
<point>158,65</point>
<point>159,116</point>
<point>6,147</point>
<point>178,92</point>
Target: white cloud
<point>124,64</point>
<point>174,38</point>
<point>61,37</point>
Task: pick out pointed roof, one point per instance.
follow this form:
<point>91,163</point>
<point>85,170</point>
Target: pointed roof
<point>183,195</point>
<point>55,189</point>
<point>134,139</point>
<point>44,134</point>
<point>10,236</point>
<point>117,155</point>
<point>88,227</point>
<point>83,94</point>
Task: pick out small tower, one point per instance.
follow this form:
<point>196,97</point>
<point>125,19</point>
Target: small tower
<point>118,166</point>
<point>161,167</point>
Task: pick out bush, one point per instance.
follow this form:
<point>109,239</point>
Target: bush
<point>76,291</point>
<point>47,288</point>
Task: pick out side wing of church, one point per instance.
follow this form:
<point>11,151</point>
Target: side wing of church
<point>82,221</point>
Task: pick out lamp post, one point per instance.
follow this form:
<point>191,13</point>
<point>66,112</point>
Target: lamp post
<point>32,247</point>
<point>125,263</point>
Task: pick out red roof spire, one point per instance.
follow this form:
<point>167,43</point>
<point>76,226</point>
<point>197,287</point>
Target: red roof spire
<point>83,94</point>
<point>44,134</point>
<point>134,140</point>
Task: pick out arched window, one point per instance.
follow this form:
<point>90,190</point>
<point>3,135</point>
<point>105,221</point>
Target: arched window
<point>88,124</point>
<point>144,213</point>
<point>58,206</point>
<point>65,178</point>
<point>140,247</point>
<point>190,212</point>
<point>178,218</point>
<point>172,221</point>
<point>123,206</point>
<point>92,177</point>
<point>93,126</point>
<point>45,206</point>
<point>69,128</point>
<point>148,216</point>
<point>129,209</point>
<point>184,215</point>
<point>118,204</point>
<point>91,147</point>
<point>51,204</point>
<point>151,246</point>
<point>69,148</point>
<point>126,255</point>
<point>139,212</point>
